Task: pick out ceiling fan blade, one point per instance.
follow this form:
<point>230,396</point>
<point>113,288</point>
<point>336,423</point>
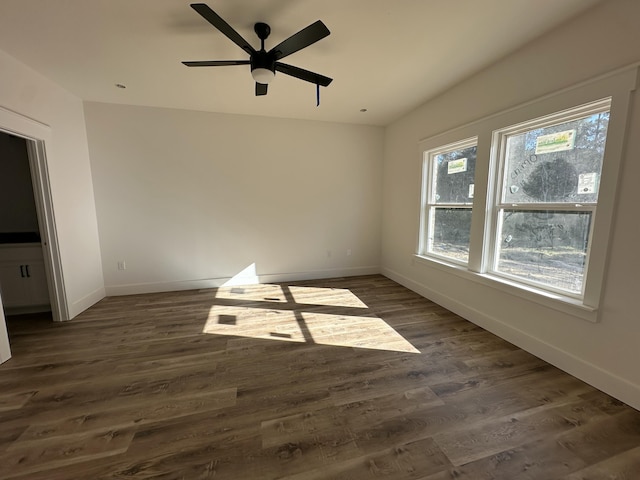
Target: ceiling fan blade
<point>302,74</point>
<point>305,37</point>
<point>216,63</point>
<point>214,19</point>
<point>261,89</point>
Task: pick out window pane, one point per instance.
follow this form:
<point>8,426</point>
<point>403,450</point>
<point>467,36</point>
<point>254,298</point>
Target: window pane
<point>545,247</point>
<point>556,164</point>
<point>453,176</point>
<point>451,230</point>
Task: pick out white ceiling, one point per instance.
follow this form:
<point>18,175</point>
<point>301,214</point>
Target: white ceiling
<point>387,56</point>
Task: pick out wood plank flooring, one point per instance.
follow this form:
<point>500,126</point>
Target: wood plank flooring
<point>351,378</point>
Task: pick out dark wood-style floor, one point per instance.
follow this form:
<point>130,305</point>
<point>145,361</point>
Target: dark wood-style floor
<point>355,378</point>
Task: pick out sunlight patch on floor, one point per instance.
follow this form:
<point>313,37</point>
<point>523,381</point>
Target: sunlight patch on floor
<point>246,311</point>
<point>335,297</point>
<point>355,331</point>
<point>254,322</point>
<point>252,293</point>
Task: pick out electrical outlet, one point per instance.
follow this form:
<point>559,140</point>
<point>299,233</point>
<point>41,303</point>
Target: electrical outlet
<point>122,265</point>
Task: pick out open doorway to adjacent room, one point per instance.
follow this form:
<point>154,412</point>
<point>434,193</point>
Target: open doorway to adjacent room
<point>31,280</point>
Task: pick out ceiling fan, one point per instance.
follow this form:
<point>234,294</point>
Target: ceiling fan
<point>264,63</point>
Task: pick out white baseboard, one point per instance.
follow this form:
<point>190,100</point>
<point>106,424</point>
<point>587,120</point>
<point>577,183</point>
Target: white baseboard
<point>586,371</point>
<point>138,288</point>
<point>79,306</point>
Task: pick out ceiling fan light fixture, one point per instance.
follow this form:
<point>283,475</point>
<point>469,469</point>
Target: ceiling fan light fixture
<point>262,75</point>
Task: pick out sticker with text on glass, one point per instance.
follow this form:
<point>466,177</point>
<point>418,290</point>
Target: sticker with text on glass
<point>556,142</point>
<point>457,166</point>
<point>587,183</point>
<point>471,190</point>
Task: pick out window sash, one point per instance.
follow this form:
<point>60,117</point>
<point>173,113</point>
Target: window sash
<point>495,247</point>
<point>430,204</point>
<point>457,254</point>
<point>497,205</point>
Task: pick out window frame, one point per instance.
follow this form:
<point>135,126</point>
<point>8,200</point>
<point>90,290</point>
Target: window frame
<point>499,204</point>
<point>429,203</point>
<point>617,86</point>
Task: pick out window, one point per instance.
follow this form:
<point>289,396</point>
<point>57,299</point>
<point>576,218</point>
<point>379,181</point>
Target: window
<point>522,201</point>
<point>449,173</point>
<point>549,171</point>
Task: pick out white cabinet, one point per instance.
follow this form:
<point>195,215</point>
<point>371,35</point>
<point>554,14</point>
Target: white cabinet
<point>23,282</point>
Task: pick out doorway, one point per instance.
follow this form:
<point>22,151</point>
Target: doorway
<point>35,137</point>
<point>23,282</point>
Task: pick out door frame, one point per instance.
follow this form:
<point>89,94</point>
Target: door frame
<point>5,348</point>
<point>39,136</point>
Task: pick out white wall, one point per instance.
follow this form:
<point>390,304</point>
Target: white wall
<point>28,93</point>
<point>190,199</point>
<point>605,353</point>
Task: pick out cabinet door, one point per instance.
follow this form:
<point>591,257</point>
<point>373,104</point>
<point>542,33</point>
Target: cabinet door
<point>36,284</point>
<point>12,285</point>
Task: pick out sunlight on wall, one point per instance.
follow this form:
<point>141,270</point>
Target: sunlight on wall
<point>248,276</point>
<point>326,316</point>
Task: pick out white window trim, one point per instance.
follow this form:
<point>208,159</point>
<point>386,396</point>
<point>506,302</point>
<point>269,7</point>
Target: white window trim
<point>428,202</point>
<point>617,85</point>
<point>499,204</point>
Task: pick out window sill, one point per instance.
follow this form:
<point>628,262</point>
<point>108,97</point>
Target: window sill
<point>565,304</point>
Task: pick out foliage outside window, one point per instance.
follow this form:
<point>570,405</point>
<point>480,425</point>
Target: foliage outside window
<point>547,198</point>
<point>447,206</point>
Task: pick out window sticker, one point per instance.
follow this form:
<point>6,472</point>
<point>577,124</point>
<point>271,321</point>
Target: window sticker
<point>471,190</point>
<point>556,142</point>
<point>587,183</point>
<point>457,166</point>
